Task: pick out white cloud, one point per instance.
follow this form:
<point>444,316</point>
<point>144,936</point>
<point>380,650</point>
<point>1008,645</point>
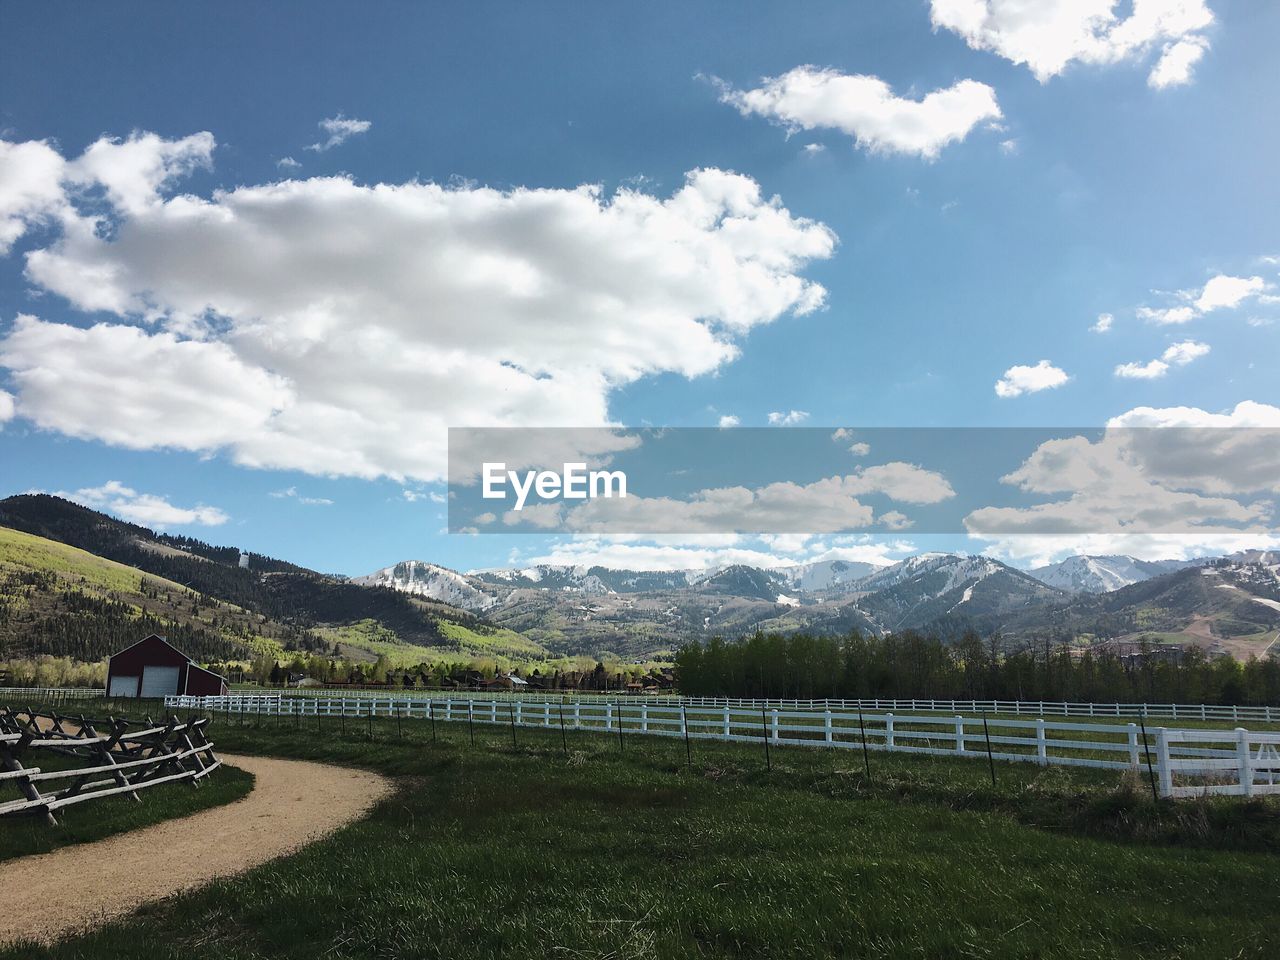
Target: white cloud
<point>865,108</point>
<point>709,552</point>
<point>138,390</point>
<point>1049,35</point>
<point>338,328</point>
<point>1151,370</point>
<point>288,163</point>
<point>1009,147</point>
<point>6,406</point>
<point>828,505</point>
<point>1233,452</point>
<point>30,187</point>
<point>860,449</point>
<point>728,420</point>
<point>340,129</point>
<point>1177,62</point>
<point>134,170</point>
<point>1156,477</point>
<point>1177,355</point>
<point>291,493</point>
<point>1018,380</point>
<point>1103,324</point>
<point>1225,292</point>
<point>1183,352</point>
<point>147,509</point>
<point>788,418</point>
<point>1038,551</point>
<point>814,148</point>
<point>1221,292</point>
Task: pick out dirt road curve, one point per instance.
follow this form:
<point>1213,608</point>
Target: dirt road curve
<point>292,803</point>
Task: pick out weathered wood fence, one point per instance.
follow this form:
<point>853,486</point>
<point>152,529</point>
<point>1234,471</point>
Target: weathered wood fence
<point>95,758</point>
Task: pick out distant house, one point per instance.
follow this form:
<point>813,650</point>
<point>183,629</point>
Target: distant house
<point>153,667</point>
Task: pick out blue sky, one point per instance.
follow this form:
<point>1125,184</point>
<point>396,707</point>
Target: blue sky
<point>1096,192</point>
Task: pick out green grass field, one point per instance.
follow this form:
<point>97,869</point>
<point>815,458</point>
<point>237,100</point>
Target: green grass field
<point>96,819</point>
<point>626,850</point>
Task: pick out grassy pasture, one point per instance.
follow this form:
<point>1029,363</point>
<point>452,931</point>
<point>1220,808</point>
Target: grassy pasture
<point>595,848</point>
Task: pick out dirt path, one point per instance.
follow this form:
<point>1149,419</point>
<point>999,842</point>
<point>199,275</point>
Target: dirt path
<point>292,803</point>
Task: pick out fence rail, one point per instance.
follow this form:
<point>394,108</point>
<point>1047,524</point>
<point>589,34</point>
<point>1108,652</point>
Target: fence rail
<point>1190,762</point>
<point>122,760</point>
<point>1028,708</point>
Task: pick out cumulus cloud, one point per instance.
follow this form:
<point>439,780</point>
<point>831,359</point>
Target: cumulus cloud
<point>147,509</point>
<point>828,505</point>
<point>1221,292</point>
<point>30,187</point>
<point>788,418</point>
<point>6,406</point>
<point>728,420</point>
<point>288,163</point>
<point>1049,35</point>
<point>1021,379</point>
<point>1103,323</point>
<point>1177,355</point>
<point>340,129</point>
<point>1175,66</point>
<point>1161,472</point>
<point>865,108</point>
<point>338,328</point>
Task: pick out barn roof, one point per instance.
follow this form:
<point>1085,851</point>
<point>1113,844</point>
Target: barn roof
<point>151,636</point>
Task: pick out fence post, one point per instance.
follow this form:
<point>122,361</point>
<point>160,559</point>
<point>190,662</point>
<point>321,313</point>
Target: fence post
<point>773,724</point>
<point>1042,748</point>
<point>727,726</point>
<point>608,716</point>
<point>888,731</point>
<point>644,718</point>
<point>577,715</point>
<point>1162,759</point>
<point>1133,745</point>
<point>959,734</point>
<point>827,725</point>
<point>1242,757</point>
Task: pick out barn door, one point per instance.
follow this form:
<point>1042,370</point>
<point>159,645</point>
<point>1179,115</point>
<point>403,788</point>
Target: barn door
<point>123,687</point>
<point>159,681</point>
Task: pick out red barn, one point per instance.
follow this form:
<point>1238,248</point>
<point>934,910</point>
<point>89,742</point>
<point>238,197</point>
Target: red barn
<point>153,667</point>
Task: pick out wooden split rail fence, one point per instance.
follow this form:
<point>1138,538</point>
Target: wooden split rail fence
<point>95,758</point>
<point>1184,762</point>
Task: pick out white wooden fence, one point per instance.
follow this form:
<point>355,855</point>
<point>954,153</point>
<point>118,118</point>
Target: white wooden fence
<point>1025,708</point>
<point>1186,762</point>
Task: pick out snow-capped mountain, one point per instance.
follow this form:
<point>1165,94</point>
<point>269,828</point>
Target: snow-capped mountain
<point>1083,574</point>
<point>826,574</point>
<point>432,582</point>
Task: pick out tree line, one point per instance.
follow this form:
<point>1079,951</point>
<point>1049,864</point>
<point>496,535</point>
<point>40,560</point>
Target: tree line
<point>911,665</point>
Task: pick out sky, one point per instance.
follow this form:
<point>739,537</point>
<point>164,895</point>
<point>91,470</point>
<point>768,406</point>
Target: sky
<point>254,264</point>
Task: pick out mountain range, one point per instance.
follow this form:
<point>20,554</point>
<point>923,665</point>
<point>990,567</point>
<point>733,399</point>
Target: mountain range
<point>72,580</point>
